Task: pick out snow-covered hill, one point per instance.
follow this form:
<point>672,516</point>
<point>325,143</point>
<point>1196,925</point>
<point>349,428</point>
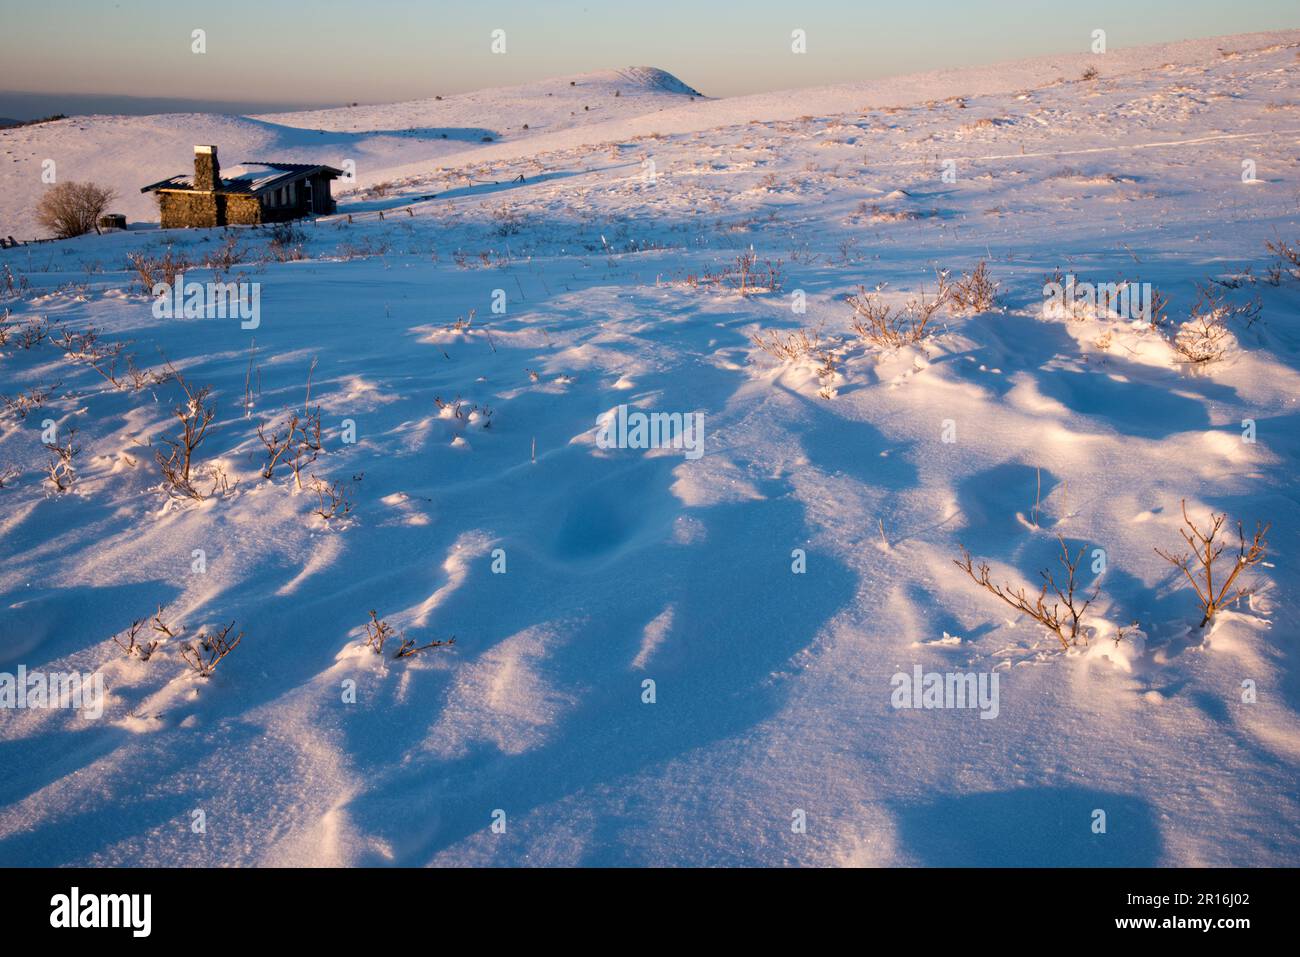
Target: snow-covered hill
<point>127,152</point>
<point>475,344</point>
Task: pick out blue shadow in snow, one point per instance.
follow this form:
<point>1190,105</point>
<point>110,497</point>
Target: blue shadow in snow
<point>1032,827</point>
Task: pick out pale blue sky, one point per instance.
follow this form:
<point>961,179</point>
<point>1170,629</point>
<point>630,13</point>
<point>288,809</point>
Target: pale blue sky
<point>336,51</point>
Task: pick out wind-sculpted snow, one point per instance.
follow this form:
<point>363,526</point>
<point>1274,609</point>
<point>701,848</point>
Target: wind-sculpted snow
<point>661,658</point>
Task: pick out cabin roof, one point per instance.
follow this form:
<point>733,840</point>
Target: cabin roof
<point>250,177</point>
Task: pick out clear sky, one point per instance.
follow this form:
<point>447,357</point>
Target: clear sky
<point>337,51</point>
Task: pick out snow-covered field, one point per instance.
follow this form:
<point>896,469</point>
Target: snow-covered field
<point>476,343</point>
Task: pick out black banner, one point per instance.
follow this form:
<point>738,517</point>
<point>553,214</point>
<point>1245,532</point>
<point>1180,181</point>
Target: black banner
<point>336,906</point>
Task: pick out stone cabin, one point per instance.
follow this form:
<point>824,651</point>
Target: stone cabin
<point>257,193</point>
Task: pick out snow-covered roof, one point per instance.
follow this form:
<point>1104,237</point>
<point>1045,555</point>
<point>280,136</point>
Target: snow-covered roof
<point>250,177</point>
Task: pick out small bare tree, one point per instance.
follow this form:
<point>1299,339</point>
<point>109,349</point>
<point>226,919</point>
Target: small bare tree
<point>194,416</point>
<point>1064,616</point>
<point>205,652</point>
<point>1199,565</point>
<point>71,209</point>
<point>60,468</point>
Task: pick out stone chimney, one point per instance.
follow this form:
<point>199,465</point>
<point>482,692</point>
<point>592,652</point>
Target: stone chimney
<point>207,171</point>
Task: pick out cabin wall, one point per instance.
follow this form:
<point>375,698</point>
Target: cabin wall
<point>180,209</point>
<point>191,209</point>
<point>322,200</point>
<point>242,210</point>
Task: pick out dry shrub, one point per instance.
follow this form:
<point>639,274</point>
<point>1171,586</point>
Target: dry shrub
<point>1288,257</point>
<point>1199,565</point>
<point>25,402</point>
<point>73,209</point>
<point>134,646</point>
<point>975,291</point>
<point>285,244</point>
<point>790,347</point>
<point>747,275</point>
<point>798,345</point>
<point>333,498</point>
<point>297,441</point>
<point>378,632</point>
<point>194,416</point>
<point>877,323</point>
<point>206,652</point>
<point>60,468</point>
<point>1063,617</point>
<point>154,270</point>
<point>1204,336</point>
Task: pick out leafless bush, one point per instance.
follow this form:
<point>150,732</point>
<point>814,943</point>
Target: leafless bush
<point>71,209</point>
<point>1199,565</point>
<point>297,441</point>
<point>798,345</point>
<point>137,379</point>
<point>18,406</point>
<point>748,275</point>
<point>409,649</point>
<point>225,257</point>
<point>206,652</point>
<point>286,242</point>
<point>1063,617</point>
<point>462,411</point>
<point>1090,73</point>
<point>27,334</point>
<point>333,498</point>
<point>133,645</point>
<point>13,287</point>
<point>7,475</point>
<point>1288,257</point>
<point>880,325</point>
<point>194,416</point>
<point>60,468</point>
<point>1156,317</point>
<point>790,347</point>
<point>378,632</point>
<point>509,220</point>
<point>151,271</point>
<point>876,214</point>
<point>975,291</point>
<point>1204,337</point>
